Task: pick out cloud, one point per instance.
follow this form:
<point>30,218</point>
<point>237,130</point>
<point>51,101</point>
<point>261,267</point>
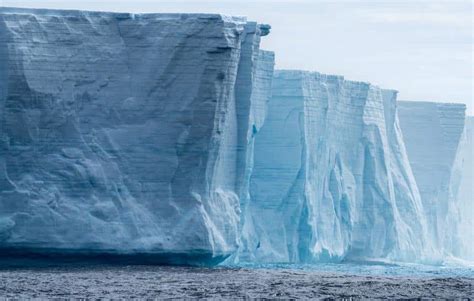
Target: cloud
<point>436,12</point>
<point>453,19</point>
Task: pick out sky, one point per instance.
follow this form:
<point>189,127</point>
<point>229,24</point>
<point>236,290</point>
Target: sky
<point>422,48</point>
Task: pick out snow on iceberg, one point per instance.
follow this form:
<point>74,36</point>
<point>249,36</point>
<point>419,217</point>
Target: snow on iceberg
<point>331,178</point>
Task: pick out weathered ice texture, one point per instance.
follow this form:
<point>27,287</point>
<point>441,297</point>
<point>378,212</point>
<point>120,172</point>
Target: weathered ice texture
<point>331,178</point>
<point>168,136</point>
<point>464,195</point>
<point>261,93</point>
<point>433,133</point>
<point>125,133</point>
<point>459,238</point>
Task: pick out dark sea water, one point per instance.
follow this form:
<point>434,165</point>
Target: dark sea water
<point>265,281</point>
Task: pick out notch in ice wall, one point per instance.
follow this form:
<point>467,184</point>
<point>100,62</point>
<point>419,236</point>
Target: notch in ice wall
<point>433,134</point>
<point>331,180</point>
<point>262,75</point>
<point>119,131</point>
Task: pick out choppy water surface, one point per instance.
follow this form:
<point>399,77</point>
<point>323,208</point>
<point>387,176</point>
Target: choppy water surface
<point>273,281</point>
<point>407,270</point>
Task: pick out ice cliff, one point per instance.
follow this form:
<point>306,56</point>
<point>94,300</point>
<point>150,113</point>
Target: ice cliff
<point>169,136</point>
<point>439,146</point>
<point>331,178</point>
<point>464,194</point>
<point>126,133</point>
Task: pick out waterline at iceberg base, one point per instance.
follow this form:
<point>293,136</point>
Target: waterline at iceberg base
<point>169,138</point>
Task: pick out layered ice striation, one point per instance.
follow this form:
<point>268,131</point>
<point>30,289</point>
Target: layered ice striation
<point>126,133</point>
<point>262,76</point>
<point>331,178</point>
<point>464,194</point>
<point>439,146</point>
<point>169,136</point>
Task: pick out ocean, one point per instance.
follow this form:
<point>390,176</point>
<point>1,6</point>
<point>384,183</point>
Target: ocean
<point>245,281</point>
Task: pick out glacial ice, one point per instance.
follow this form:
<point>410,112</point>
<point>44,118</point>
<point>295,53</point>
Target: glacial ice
<point>170,136</point>
<point>122,132</point>
<point>331,179</point>
<point>464,195</point>
<point>438,143</point>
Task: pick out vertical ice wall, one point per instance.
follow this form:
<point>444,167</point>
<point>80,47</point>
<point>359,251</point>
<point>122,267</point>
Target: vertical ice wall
<point>459,235</point>
<point>150,133</point>
<point>277,161</point>
<point>331,179</point>
<point>253,86</point>
<point>122,132</point>
<point>432,134</point>
<point>464,195</point>
<point>262,75</point>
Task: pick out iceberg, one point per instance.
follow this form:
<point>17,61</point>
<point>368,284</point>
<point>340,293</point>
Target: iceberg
<point>438,143</point>
<point>463,193</point>
<point>170,138</point>
<point>125,133</point>
<point>331,179</point>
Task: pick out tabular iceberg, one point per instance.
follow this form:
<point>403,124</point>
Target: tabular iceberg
<point>125,133</point>
<point>438,149</point>
<point>169,136</point>
<point>331,178</point>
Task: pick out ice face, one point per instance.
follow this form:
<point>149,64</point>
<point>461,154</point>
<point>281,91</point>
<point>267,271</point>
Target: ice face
<point>331,177</point>
<point>464,196</point>
<point>437,149</point>
<point>262,75</point>
<point>121,132</point>
<point>168,136</point>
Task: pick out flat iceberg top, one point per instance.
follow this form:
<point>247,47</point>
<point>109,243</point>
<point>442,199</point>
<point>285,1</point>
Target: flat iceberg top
<point>290,74</point>
<point>122,15</point>
<point>299,74</point>
<point>427,104</point>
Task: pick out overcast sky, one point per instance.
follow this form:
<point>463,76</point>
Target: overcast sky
<point>422,48</point>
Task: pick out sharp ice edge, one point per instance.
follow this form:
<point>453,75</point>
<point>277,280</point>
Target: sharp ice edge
<point>168,134</point>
